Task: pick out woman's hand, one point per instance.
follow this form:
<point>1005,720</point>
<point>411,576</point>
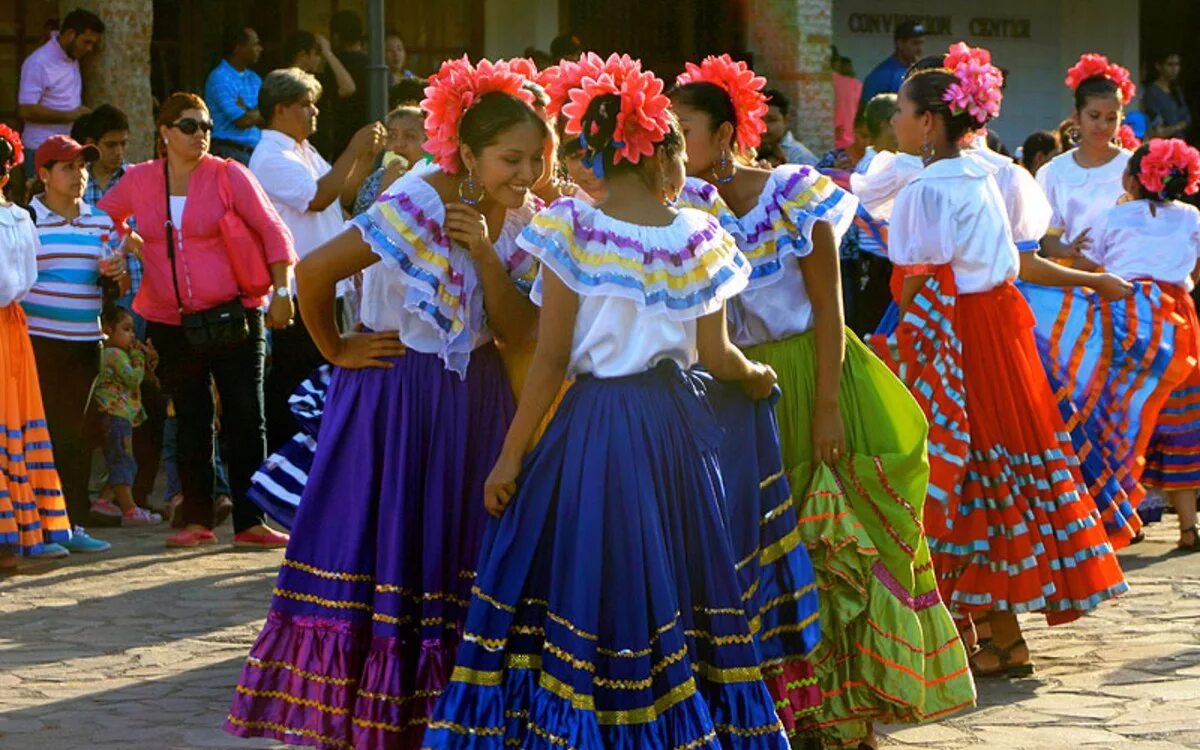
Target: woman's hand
<point>469,228</point>
<point>1112,287</point>
<point>281,312</point>
<point>758,386</point>
<point>133,245</point>
<point>358,351</point>
<point>828,435</point>
<point>501,485</point>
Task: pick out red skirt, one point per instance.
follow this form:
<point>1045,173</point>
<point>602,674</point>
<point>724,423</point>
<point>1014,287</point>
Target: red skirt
<point>32,509</point>
<point>1009,519</point>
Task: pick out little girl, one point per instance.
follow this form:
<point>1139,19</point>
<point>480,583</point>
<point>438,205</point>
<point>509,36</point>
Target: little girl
<point>369,605</point>
<point>607,611</point>
<point>854,440</point>
<point>1155,237</point>
<point>1084,182</point>
<point>32,510</point>
<point>118,397</point>
<point>1010,522</point>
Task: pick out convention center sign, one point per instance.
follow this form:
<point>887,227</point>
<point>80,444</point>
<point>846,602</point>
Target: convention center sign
<point>942,25</point>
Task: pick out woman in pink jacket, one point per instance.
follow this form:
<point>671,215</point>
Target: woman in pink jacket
<point>203,316</point>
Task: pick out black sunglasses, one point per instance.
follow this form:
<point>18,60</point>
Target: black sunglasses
<point>189,125</point>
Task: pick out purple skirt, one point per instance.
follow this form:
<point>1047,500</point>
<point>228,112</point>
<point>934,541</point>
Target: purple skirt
<point>370,600</point>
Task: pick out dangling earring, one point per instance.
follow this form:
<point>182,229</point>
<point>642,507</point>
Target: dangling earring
<point>470,192</point>
<point>926,153</point>
<point>725,168</point>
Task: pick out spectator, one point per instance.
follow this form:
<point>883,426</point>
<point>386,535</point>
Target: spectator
<point>232,92</point>
<point>909,41</point>
<point>566,47</point>
<point>345,113</point>
<point>307,51</point>
<point>779,146</point>
<point>876,132</point>
<point>541,59</point>
<point>407,92</point>
<point>396,57</point>
<point>1163,101</point>
<point>1068,134</point>
<point>190,266</point>
<point>63,310</point>
<point>1038,149</point>
<point>309,194</point>
<point>847,92</point>
<point>125,363</point>
<point>403,150</point>
<point>50,96</point>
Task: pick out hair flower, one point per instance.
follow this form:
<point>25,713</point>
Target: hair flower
<point>1092,65</point>
<point>14,140</point>
<point>744,89</point>
<point>455,88</point>
<point>1127,139</point>
<point>977,91</point>
<point>644,117</point>
<point>1166,159</point>
<point>558,80</point>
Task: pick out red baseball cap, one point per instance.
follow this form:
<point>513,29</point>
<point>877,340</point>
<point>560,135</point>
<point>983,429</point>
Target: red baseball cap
<point>63,148</point>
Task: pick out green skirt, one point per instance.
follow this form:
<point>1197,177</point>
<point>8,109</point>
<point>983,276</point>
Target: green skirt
<point>889,649</point>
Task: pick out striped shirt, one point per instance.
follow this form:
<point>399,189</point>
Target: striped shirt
<point>66,299</point>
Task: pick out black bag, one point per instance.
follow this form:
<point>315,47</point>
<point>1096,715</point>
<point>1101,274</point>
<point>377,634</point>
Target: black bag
<point>217,327</point>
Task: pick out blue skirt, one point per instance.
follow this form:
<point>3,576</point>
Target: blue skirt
<point>608,611</point>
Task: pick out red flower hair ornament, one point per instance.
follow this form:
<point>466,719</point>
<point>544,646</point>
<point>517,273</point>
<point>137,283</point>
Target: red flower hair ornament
<point>455,88</point>
<point>643,119</point>
<point>978,88</point>
<point>1092,65</point>
<point>558,80</point>
<point>14,140</point>
<point>1127,138</point>
<point>1168,159</point>
<point>744,88</point>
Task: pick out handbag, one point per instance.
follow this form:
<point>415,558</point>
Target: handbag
<point>206,330</point>
<point>243,246</point>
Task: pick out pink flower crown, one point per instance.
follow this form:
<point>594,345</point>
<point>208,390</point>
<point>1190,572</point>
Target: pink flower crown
<point>14,140</point>
<point>455,88</point>
<point>644,117</point>
<point>558,80</point>
<point>978,88</point>
<point>1167,158</point>
<point>1092,65</point>
<point>744,89</point>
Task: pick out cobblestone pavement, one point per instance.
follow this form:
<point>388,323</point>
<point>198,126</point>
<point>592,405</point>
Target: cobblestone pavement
<point>139,649</point>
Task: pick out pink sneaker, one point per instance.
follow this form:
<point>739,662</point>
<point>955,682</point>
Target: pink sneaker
<point>102,506</point>
<point>140,517</point>
<point>186,538</point>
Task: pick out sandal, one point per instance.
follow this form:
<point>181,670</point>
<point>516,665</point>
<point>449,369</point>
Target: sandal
<point>1004,666</point>
<point>1193,546</point>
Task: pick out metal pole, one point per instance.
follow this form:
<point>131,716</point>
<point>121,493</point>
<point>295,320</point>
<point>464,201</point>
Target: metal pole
<point>377,70</point>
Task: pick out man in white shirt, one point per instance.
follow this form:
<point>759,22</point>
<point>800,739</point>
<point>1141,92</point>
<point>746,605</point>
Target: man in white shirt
<point>309,194</point>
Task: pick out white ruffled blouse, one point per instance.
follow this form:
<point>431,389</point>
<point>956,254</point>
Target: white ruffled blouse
<point>1135,243</point>
<point>1079,196</point>
<point>18,254</point>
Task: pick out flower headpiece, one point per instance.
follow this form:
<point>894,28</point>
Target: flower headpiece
<point>558,80</point>
<point>1097,66</point>
<point>1166,159</point>
<point>744,89</point>
<point>977,90</point>
<point>455,88</point>
<point>14,140</point>
<point>522,66</point>
<point>644,116</point>
<point>1127,138</point>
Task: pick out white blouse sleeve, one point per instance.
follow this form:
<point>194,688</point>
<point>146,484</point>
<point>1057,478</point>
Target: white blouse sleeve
<point>1029,211</point>
<point>921,227</point>
<point>888,173</point>
<point>18,252</point>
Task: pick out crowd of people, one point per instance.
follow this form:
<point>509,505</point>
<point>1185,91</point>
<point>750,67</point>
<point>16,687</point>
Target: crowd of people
<point>594,410</point>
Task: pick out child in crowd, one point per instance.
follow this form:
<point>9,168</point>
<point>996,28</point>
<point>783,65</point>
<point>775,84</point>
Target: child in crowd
<point>402,151</point>
<point>1039,148</point>
<point>118,397</point>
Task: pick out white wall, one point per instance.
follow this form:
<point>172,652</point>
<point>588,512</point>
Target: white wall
<point>513,25</point>
<point>1060,30</point>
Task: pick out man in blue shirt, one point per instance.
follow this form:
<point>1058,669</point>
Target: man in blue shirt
<point>232,96</point>
<point>887,76</point>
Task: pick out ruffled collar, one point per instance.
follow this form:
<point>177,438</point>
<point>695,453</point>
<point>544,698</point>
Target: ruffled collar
<point>1071,173</point>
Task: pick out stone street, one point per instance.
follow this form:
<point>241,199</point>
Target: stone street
<point>139,649</point>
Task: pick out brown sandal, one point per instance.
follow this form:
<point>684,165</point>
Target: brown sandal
<point>1195,544</point>
<point>1004,666</point>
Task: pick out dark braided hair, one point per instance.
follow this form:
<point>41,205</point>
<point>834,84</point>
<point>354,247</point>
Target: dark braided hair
<point>925,88</point>
<point>598,137</point>
<point>1173,186</point>
<point>1098,87</point>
